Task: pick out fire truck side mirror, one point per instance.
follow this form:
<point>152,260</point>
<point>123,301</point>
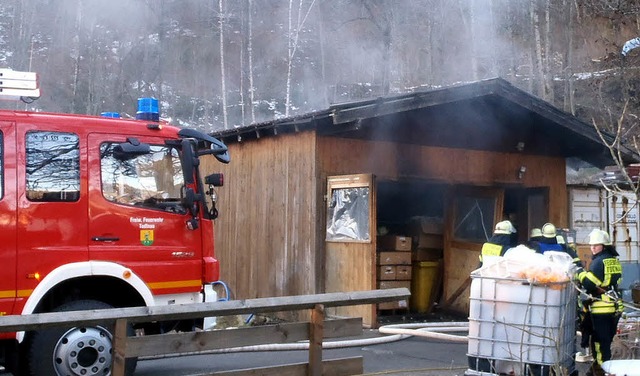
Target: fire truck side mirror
<point>207,144</point>
<point>188,161</point>
<point>131,149</point>
<point>190,202</point>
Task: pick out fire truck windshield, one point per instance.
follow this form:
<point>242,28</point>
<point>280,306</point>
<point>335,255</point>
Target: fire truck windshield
<point>154,180</point>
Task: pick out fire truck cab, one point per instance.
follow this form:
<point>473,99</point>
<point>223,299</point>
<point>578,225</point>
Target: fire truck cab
<point>98,212</point>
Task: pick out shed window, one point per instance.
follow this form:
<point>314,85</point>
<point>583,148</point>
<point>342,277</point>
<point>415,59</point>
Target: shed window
<point>474,218</point>
<point>348,215</point>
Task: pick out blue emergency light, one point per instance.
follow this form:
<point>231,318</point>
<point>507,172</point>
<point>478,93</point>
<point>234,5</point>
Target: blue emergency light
<point>110,114</point>
<point>148,109</point>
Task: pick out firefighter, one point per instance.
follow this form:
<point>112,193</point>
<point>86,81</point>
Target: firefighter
<point>548,241</point>
<point>552,241</point>
<point>534,238</point>
<point>570,251</point>
<point>501,240</point>
<point>602,308</point>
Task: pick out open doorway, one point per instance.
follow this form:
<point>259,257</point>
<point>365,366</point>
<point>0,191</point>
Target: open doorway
<point>401,201</point>
<point>410,242</point>
<point>526,208</point>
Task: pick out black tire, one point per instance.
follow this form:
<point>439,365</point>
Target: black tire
<point>74,351</point>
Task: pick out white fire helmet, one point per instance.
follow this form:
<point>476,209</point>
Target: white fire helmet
<point>505,228</point>
<point>599,237</point>
<point>535,233</point>
<point>549,230</point>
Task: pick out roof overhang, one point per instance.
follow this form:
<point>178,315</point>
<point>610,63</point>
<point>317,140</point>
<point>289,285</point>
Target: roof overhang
<point>491,115</point>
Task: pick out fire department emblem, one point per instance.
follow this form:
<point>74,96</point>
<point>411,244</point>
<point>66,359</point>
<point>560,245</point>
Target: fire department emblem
<point>146,237</point>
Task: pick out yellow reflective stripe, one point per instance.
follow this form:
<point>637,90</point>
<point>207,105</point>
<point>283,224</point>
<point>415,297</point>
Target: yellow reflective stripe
<point>7,294</point>
<point>489,249</point>
<point>611,266</point>
<point>598,352</point>
<point>592,277</point>
<point>602,310</point>
<point>599,303</point>
<point>602,307</point>
<point>174,284</point>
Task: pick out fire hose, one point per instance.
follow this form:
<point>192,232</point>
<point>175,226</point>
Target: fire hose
<point>434,330</point>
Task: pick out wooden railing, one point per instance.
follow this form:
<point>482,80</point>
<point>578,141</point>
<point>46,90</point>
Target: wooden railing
<point>194,342</point>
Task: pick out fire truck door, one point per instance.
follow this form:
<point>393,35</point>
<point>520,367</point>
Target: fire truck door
<point>51,203</point>
<point>7,217</point>
<point>136,217</point>
<point>350,239</point>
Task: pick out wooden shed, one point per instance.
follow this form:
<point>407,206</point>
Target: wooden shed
<point>305,197</point>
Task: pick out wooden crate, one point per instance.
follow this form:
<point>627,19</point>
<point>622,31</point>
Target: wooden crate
<point>394,258</point>
<point>386,272</point>
<point>394,243</point>
<point>394,284</point>
<point>430,241</point>
<point>403,272</point>
<point>401,304</point>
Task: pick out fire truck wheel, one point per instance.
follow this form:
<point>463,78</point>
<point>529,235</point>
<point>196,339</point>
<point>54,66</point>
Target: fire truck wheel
<point>76,351</point>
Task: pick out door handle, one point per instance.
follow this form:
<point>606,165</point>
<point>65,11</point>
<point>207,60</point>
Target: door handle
<point>105,238</point>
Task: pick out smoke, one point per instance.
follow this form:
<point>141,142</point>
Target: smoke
<point>94,56</point>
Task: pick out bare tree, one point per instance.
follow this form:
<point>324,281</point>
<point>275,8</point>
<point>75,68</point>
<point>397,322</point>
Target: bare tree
<point>252,88</point>
<point>630,183</point>
<point>293,43</point>
<point>222,70</point>
<point>382,17</point>
<point>569,103</point>
<point>76,52</point>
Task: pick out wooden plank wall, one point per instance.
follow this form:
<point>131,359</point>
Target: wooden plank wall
<point>270,233</point>
<point>454,166</point>
<point>266,232</point>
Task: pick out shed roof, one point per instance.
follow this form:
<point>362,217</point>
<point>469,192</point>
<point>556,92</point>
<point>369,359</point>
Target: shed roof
<point>490,115</point>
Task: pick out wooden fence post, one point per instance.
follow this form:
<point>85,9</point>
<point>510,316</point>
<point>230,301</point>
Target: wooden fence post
<point>315,340</point>
<point>119,348</point>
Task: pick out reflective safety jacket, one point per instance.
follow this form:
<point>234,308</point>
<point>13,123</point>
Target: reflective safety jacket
<point>602,278</point>
<point>496,246</point>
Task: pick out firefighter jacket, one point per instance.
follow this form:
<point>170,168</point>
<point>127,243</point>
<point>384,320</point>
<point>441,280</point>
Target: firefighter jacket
<point>574,255</point>
<point>601,282</point>
<point>546,245</point>
<point>497,245</point>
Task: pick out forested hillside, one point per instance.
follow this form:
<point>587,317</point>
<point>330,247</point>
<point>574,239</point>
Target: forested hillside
<point>224,63</point>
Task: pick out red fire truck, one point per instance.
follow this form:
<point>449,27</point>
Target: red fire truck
<point>98,212</point>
